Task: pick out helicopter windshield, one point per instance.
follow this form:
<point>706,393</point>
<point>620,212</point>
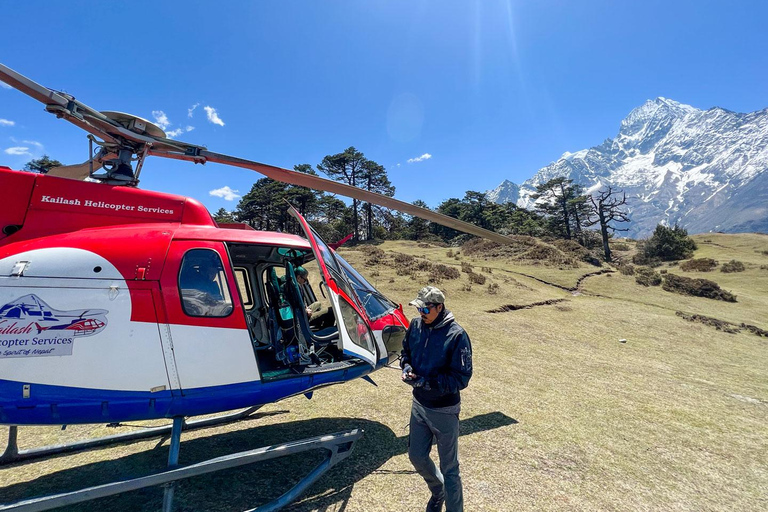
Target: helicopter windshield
<point>372,300</point>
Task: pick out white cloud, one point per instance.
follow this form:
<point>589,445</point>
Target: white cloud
<point>33,143</point>
<point>225,192</point>
<point>18,151</point>
<point>6,122</point>
<point>213,116</point>
<point>425,156</point>
<point>191,109</point>
<point>4,85</point>
<point>178,131</point>
<point>161,119</point>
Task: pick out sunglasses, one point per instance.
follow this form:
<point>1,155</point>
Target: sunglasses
<point>426,309</point>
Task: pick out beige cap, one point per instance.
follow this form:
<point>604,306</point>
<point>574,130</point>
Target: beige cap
<point>428,295</point>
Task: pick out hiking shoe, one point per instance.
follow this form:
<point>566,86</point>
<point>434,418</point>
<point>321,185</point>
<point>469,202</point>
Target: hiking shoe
<point>435,504</point>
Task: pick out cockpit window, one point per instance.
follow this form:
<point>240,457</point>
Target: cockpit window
<point>372,300</point>
<point>203,284</point>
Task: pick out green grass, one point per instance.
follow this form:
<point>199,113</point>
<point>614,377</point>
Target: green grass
<point>559,415</point>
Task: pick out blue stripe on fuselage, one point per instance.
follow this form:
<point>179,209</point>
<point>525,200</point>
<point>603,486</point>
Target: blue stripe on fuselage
<point>63,405</point>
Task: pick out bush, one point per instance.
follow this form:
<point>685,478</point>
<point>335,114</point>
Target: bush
<point>487,270</point>
<point>476,278</point>
<point>669,244</point>
<point>646,276</point>
<point>466,267</point>
<point>696,287</point>
<point>732,266</point>
<point>493,288</point>
<point>375,255</point>
<point>449,253</point>
<point>440,272</point>
<point>620,246</point>
<point>404,259</point>
<point>698,265</point>
<point>627,270</point>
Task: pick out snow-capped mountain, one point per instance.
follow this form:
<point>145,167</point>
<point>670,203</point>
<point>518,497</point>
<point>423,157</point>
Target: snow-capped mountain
<point>706,170</point>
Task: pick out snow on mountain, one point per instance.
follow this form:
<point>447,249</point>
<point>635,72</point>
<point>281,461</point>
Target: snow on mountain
<point>507,192</point>
<point>706,170</point>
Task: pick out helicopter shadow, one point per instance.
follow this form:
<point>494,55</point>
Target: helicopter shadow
<point>248,486</point>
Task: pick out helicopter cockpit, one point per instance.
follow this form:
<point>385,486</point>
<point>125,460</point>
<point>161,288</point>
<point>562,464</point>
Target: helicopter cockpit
<point>293,328</point>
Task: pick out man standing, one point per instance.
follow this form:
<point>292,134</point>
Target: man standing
<point>437,363</point>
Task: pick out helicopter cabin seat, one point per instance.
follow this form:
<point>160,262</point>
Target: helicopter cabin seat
<point>280,314</point>
<point>296,299</point>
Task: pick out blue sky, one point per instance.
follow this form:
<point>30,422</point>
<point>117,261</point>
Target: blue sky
<point>470,92</point>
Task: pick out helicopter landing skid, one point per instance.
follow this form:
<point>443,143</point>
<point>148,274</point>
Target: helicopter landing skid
<point>338,447</point>
<point>13,454</point>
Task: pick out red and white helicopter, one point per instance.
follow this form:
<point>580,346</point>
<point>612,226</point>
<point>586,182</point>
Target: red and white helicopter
<point>122,304</point>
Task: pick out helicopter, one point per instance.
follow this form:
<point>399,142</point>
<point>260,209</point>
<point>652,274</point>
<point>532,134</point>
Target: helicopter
<point>121,304</point>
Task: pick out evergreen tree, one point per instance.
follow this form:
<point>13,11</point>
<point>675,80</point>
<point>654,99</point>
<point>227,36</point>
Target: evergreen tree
<point>222,216</point>
<point>41,165</point>
<point>346,167</point>
<point>551,200</point>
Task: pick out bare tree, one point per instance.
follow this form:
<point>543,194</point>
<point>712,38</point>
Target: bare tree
<point>605,209</point>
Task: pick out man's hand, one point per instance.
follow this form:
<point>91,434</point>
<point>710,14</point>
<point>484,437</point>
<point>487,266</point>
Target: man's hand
<point>408,375</point>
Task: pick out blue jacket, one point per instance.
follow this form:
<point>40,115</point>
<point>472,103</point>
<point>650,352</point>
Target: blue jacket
<point>442,354</point>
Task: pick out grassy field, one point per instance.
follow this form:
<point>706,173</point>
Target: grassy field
<point>560,414</point>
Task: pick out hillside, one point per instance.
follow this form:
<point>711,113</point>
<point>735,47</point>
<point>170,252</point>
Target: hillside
<point>561,414</point>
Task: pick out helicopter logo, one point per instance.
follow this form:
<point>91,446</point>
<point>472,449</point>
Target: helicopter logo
<point>31,328</point>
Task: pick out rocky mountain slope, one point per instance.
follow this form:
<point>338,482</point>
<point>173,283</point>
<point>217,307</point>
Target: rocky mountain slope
<point>706,170</point>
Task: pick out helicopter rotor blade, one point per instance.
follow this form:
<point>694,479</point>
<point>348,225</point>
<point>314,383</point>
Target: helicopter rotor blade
<point>326,185</point>
<point>117,136</point>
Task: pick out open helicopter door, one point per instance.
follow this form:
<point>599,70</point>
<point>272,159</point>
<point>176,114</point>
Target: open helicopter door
<point>355,335</point>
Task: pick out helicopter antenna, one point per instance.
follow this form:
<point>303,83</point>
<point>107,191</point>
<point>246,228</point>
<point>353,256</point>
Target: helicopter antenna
<point>126,138</point>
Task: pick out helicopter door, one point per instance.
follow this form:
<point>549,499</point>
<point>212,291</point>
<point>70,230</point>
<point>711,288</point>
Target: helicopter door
<point>355,334</point>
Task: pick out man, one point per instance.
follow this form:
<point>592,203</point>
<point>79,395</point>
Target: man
<point>437,362</point>
<point>320,317</point>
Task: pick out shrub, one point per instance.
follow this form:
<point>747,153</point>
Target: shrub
<point>487,270</point>
<point>669,244</point>
<point>646,276</point>
<point>696,287</point>
<point>493,288</point>
<point>620,246</point>
<point>466,287</point>
<point>466,267</point>
<point>476,278</point>
<point>375,256</point>
<point>425,265</point>
<point>732,266</point>
<point>698,265</point>
<point>404,259</point>
<point>627,270</point>
<point>449,253</point>
<point>440,272</point>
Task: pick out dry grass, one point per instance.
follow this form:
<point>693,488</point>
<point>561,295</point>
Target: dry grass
<point>559,415</point>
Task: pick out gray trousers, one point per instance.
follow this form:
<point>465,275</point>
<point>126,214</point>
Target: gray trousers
<point>441,425</point>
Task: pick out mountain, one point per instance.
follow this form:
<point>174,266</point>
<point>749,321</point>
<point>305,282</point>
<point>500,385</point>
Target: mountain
<point>507,192</point>
<point>706,170</point>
